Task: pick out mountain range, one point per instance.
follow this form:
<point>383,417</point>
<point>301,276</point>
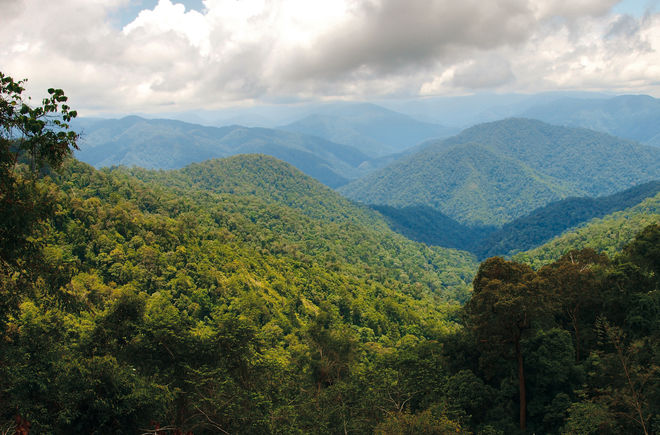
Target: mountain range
<point>635,117</point>
<point>495,172</point>
<point>241,295</point>
<point>372,129</point>
<point>168,144</point>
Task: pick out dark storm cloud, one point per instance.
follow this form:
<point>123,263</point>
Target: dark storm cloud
<point>393,35</point>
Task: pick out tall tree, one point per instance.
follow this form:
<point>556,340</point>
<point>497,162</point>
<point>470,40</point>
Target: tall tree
<point>507,301</point>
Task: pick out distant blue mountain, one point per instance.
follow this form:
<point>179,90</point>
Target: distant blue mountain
<point>372,129</point>
<point>169,144</point>
<point>634,117</point>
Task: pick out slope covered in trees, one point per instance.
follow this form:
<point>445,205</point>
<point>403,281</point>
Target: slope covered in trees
<point>163,301</point>
<point>553,219</point>
<point>493,173</point>
<point>168,144</point>
<point>607,234</point>
<point>427,225</point>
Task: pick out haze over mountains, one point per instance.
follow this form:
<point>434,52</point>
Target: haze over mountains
<point>169,144</point>
<point>635,117</point>
<point>372,129</point>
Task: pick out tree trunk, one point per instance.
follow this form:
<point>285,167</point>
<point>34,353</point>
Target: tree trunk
<point>577,339</point>
<point>573,316</point>
<point>521,386</point>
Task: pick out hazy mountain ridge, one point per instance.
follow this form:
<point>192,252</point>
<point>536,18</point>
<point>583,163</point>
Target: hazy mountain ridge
<point>495,172</point>
<point>372,129</point>
<point>634,117</point>
<point>168,144</point>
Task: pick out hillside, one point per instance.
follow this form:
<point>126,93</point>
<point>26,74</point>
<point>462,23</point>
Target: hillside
<point>634,117</point>
<point>170,292</point>
<point>607,234</point>
<point>427,225</point>
<point>323,218</point>
<point>372,129</point>
<point>168,144</point>
<point>493,173</point>
<point>551,220</point>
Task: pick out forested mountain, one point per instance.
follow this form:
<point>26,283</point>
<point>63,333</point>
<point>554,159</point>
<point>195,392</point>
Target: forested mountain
<point>168,144</point>
<point>182,297</point>
<point>372,129</point>
<point>493,173</point>
<point>634,117</point>
<point>607,234</point>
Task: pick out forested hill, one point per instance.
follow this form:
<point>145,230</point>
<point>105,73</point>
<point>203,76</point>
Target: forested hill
<point>168,144</point>
<point>607,234</point>
<point>493,173</point>
<point>161,296</point>
<point>551,220</point>
<point>282,203</point>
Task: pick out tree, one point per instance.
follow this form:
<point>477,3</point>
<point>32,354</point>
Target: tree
<point>507,301</point>
<point>573,279</point>
<point>42,131</point>
<point>32,140</point>
<point>41,136</point>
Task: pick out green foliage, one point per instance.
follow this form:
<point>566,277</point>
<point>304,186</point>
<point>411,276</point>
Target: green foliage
<point>547,222</point>
<point>236,296</point>
<point>608,234</point>
<point>590,352</point>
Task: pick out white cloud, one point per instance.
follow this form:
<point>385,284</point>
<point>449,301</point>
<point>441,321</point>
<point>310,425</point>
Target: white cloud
<point>237,51</point>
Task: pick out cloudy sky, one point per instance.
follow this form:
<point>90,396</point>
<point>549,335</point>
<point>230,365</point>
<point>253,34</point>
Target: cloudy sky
<point>120,56</point>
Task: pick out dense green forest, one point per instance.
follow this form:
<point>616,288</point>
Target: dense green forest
<point>493,173</point>
<point>608,234</point>
<point>427,225</point>
<point>241,296</point>
<point>552,220</point>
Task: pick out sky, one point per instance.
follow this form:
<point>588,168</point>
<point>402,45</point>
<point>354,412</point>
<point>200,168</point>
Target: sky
<point>152,56</point>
